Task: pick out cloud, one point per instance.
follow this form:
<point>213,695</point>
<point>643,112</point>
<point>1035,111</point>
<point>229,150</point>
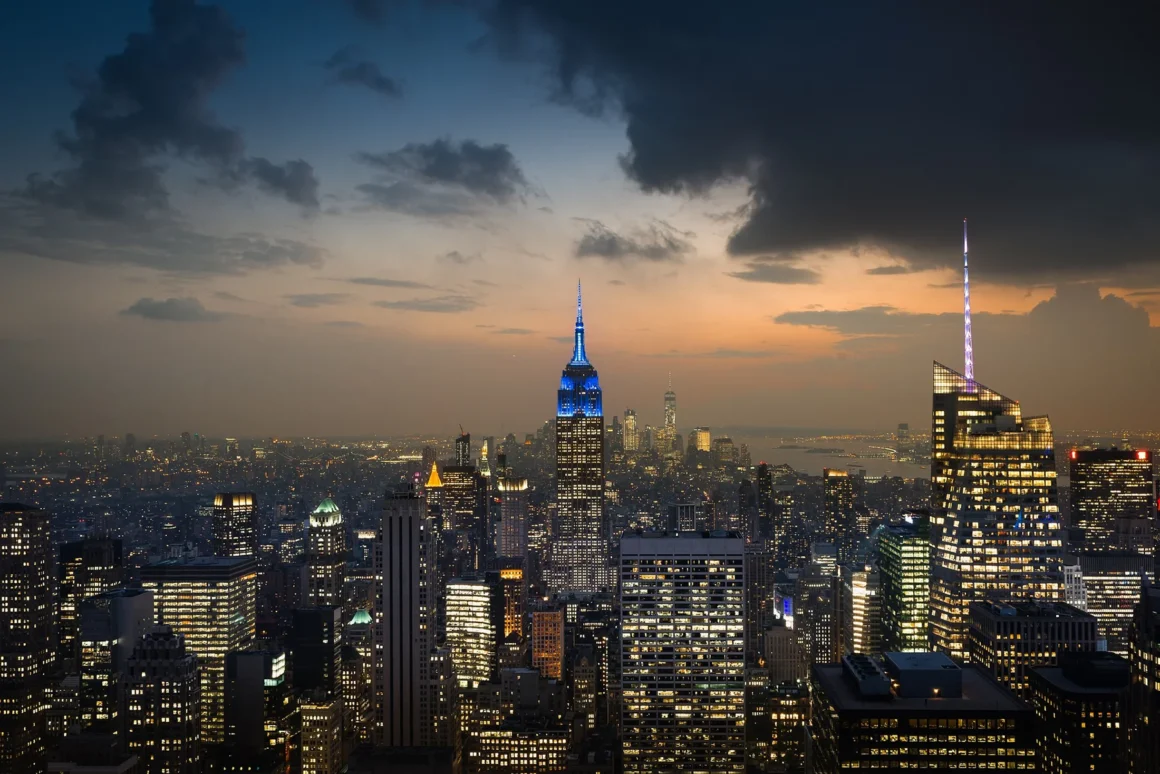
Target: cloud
<point>224,295</point>
<point>616,282</point>
<point>460,258</point>
<point>561,339</point>
<point>313,300</point>
<point>149,103</point>
<point>869,320</point>
<point>168,246</point>
<point>884,271</point>
<point>384,282</point>
<point>1052,156</point>
<point>513,332</point>
<point>343,324</point>
<point>777,270</point>
<point>440,304</point>
<point>373,11</point>
<point>294,181</point>
<point>347,68</point>
<point>485,283</point>
<point>658,241</point>
<point>719,354</point>
<point>444,177</point>
<point>172,310</point>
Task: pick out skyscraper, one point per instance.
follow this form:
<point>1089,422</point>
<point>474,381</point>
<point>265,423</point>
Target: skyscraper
<point>513,524</point>
<point>683,682</point>
<point>404,580</point>
<point>210,601</point>
<point>838,514</point>
<point>1113,499</point>
<point>475,625</point>
<point>235,524</point>
<point>579,559</point>
<point>111,623</point>
<point>1142,704</point>
<point>327,555</point>
<point>631,434</point>
<point>163,704</point>
<point>321,733</point>
<point>548,641</point>
<point>904,565</point>
<point>666,435</point>
<point>86,568</point>
<point>861,609</point>
<point>463,450</point>
<point>25,635</point>
<point>1001,538</point>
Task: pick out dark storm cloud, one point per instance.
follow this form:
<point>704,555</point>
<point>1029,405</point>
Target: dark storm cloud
<point>172,310</point>
<point>347,68</point>
<point>150,102</point>
<point>385,282</point>
<point>886,271</point>
<point>420,201</point>
<point>482,170</point>
<point>858,123</point>
<point>777,270</point>
<point>165,245</point>
<point>439,304</point>
<point>313,300</point>
<point>658,242</point>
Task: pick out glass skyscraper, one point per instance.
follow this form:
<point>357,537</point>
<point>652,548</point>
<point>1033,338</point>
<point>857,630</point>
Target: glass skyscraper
<point>1000,537</point>
<point>579,553</point>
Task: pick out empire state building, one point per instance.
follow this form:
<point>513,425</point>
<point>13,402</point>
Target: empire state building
<point>579,555</point>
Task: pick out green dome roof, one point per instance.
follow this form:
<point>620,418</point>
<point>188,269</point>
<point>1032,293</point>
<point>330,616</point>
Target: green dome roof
<point>361,617</point>
<point>326,514</point>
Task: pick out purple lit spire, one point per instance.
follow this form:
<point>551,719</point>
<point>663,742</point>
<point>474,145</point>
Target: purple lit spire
<point>968,347</point>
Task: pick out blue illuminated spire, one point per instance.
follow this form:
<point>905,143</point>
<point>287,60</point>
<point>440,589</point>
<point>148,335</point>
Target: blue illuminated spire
<point>579,356</point>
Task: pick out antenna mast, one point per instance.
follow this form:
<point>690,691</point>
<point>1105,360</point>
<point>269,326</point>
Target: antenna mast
<point>968,347</point>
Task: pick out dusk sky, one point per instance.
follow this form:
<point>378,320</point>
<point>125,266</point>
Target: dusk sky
<point>348,218</point>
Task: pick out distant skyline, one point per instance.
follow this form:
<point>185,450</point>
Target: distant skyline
<point>357,218</point>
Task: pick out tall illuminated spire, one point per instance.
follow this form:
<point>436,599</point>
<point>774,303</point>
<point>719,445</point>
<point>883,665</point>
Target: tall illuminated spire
<point>579,356</point>
<point>968,347</point>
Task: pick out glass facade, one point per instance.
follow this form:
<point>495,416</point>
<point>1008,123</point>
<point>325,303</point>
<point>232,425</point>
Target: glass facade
<point>1113,499</point>
<point>904,565</point>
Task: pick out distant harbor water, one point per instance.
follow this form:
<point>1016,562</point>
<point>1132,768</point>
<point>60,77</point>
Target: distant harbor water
<point>810,456</point>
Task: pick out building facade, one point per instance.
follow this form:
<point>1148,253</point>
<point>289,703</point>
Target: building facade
<point>326,556</point>
<point>683,683</point>
<point>235,524</point>
<point>163,704</point>
<point>904,568</point>
<point>579,552</point>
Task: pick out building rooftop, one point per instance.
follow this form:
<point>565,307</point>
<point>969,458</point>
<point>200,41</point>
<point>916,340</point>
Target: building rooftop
<point>1097,673</point>
<point>681,543</point>
<point>1030,609</point>
<point>200,566</point>
<point>980,694</point>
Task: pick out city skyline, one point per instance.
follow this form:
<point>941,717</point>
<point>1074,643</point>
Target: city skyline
<point>343,192</point>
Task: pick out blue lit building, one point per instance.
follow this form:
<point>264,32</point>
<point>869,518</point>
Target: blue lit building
<point>579,556</point>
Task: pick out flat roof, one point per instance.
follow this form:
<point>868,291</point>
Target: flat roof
<point>920,660</point>
<point>1055,677</point>
<point>981,694</point>
<point>692,544</point>
<point>1031,609</point>
<point>200,567</point>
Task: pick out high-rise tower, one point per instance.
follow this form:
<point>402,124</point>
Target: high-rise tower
<point>579,559</point>
<point>327,555</point>
<point>235,524</point>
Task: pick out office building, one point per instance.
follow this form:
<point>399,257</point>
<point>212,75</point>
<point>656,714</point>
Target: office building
<point>404,580</point>
<point>838,524</point>
<point>904,571</point>
<point>463,450</point>
<point>815,614</point>
<point>548,642</point>
<point>111,623</point>
<point>1001,539</point>
<point>462,495</point>
<point>515,599</point>
<point>916,710</point>
<point>1008,639</point>
<point>326,557</point>
<point>291,541</point>
<point>784,658</point>
<point>322,751</point>
<point>519,746</point>
<point>85,568</point>
<point>513,510</point>
<point>475,624</point>
<point>25,635</point>
<point>235,524</point>
<point>631,433</point>
<point>1111,582</point>
<point>163,704</point>
<point>701,440</point>
<point>683,682</point>
<point>262,720</point>
<point>1113,499</point>
<point>861,610</point>
<point>1142,704</point>
<point>316,644</point>
<point>579,553</point>
<point>1079,707</point>
<point>210,601</point>
<point>724,452</point>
